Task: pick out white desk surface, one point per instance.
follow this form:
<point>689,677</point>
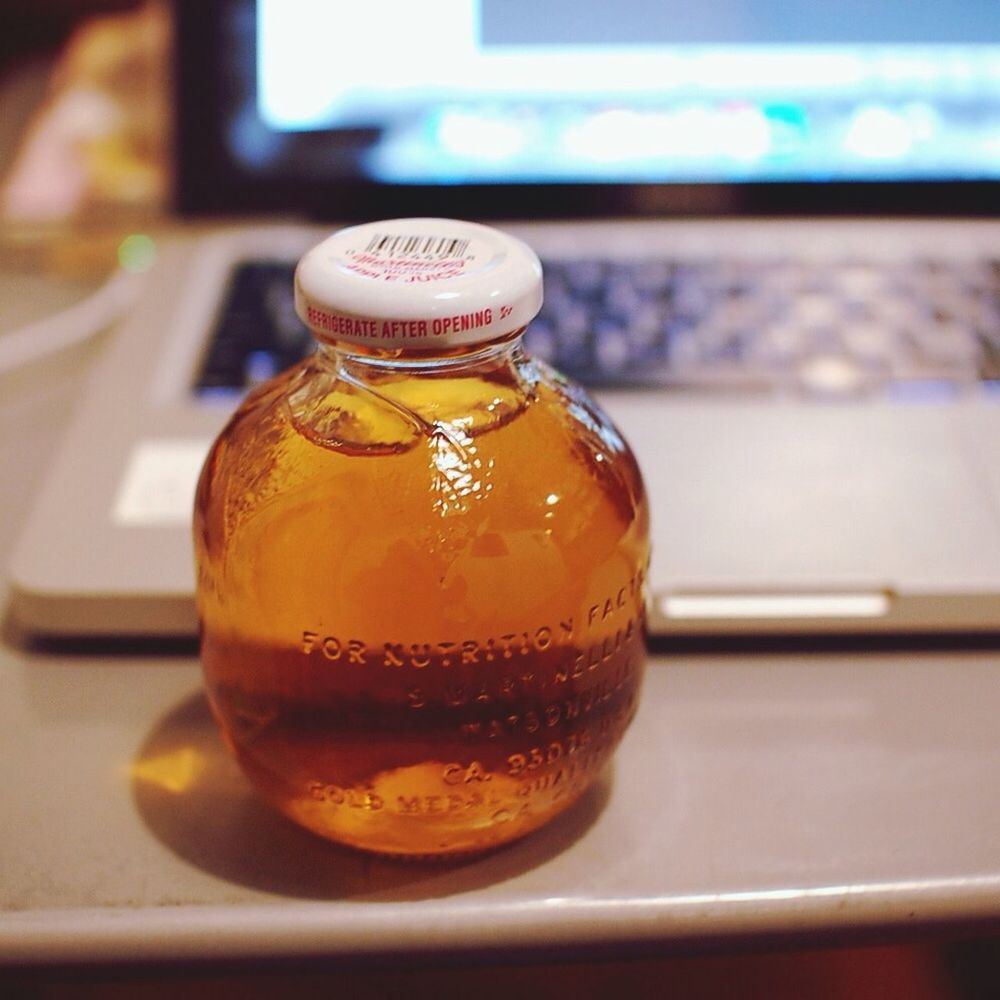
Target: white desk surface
<point>756,794</point>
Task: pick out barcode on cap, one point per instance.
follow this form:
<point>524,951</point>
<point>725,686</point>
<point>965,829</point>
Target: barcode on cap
<point>417,246</point>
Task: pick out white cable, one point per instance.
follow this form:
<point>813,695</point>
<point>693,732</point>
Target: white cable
<point>72,325</point>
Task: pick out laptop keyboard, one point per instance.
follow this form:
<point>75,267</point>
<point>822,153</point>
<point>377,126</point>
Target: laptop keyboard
<point>852,328</point>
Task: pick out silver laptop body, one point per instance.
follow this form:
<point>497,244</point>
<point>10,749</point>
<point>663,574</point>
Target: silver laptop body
<point>796,510</point>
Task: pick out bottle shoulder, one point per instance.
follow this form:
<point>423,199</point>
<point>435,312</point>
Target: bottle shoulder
<point>462,441</point>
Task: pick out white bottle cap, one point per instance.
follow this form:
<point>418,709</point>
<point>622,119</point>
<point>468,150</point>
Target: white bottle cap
<point>418,284</point>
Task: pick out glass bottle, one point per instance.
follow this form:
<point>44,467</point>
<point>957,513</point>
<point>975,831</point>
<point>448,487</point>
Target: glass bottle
<point>420,556</point>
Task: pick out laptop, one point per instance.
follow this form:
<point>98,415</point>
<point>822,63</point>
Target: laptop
<point>770,251</point>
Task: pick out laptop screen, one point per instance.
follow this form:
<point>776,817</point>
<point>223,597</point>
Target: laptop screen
<point>586,99</point>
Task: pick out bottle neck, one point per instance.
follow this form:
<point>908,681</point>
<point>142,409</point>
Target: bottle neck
<point>384,403</point>
<point>466,360</point>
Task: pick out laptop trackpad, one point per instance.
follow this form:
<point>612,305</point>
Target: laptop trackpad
<point>802,497</point>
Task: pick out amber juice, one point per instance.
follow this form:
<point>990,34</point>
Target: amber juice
<point>421,592</point>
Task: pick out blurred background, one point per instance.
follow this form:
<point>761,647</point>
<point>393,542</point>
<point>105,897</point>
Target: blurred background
<point>85,141</point>
<point>86,110</point>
